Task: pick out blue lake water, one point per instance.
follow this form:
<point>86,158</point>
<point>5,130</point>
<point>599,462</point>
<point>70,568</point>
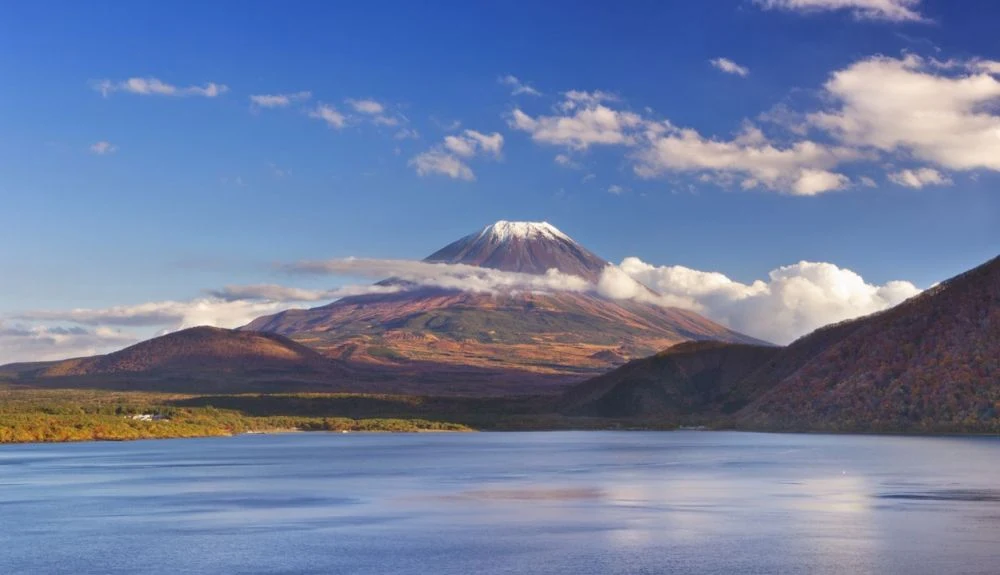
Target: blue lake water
<point>568,503</point>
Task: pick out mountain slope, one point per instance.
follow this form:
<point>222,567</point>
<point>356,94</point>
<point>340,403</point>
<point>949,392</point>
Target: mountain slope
<point>693,377</point>
<point>931,363</point>
<point>565,335</point>
<point>197,359</point>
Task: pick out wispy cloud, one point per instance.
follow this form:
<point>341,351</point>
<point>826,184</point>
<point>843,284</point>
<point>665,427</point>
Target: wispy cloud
<point>19,342</point>
<point>517,86</point>
<point>888,10</point>
<point>278,100</point>
<point>103,148</point>
<point>155,87</point>
<point>327,113</point>
<point>730,67</point>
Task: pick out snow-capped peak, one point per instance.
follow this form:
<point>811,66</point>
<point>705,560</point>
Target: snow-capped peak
<point>504,230</point>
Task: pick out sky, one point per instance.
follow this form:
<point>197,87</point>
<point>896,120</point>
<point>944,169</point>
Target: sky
<point>772,164</point>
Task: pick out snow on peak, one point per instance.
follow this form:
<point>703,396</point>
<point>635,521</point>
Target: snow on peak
<point>504,230</point>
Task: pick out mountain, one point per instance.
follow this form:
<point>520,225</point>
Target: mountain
<point>931,363</point>
<point>197,359</point>
<point>514,341</point>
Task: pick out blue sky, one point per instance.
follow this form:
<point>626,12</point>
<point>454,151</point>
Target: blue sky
<point>114,197</point>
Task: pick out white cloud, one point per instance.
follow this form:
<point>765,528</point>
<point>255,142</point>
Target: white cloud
<point>156,87</point>
<point>173,314</point>
<point>591,123</point>
<point>103,148</point>
<point>616,189</point>
<point>330,115</point>
<point>868,182</point>
<point>919,178</point>
<point>366,106</point>
<point>800,169</point>
<point>439,162</point>
<point>471,142</point>
<point>941,113</point>
<point>448,158</point>
<point>376,112</point>
<point>450,276</point>
<point>891,10</point>
<point>730,67</point>
<point>812,182</point>
<point>794,301</point>
<point>518,87</point>
<point>20,342</point>
<point>278,100</point>
<point>277,293</point>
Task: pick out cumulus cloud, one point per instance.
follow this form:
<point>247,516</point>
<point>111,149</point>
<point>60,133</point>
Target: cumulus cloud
<point>327,113</point>
<point>586,122</point>
<point>449,158</point>
<point>278,100</point>
<point>942,113</point>
<point>802,168</point>
<point>470,142</point>
<point>658,147</point>
<point>889,10</point>
<point>919,178</point>
<point>518,87</point>
<point>443,163</point>
<point>730,67</point>
<point>103,148</point>
<point>794,301</point>
<point>155,87</point>
<point>19,342</point>
<point>616,189</point>
<point>449,276</point>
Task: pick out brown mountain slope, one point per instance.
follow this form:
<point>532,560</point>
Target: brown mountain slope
<point>932,362</point>
<point>691,377</point>
<point>199,358</point>
<point>545,334</point>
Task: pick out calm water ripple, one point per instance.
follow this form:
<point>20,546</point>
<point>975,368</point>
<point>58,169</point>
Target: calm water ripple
<point>550,503</point>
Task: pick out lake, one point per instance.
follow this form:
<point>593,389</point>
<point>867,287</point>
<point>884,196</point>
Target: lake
<point>487,503</point>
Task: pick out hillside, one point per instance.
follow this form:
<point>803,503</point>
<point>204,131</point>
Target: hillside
<point>931,363</point>
<point>195,359</point>
<point>692,377</point>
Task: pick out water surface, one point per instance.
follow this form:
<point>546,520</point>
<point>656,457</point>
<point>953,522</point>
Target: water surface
<point>562,503</point>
